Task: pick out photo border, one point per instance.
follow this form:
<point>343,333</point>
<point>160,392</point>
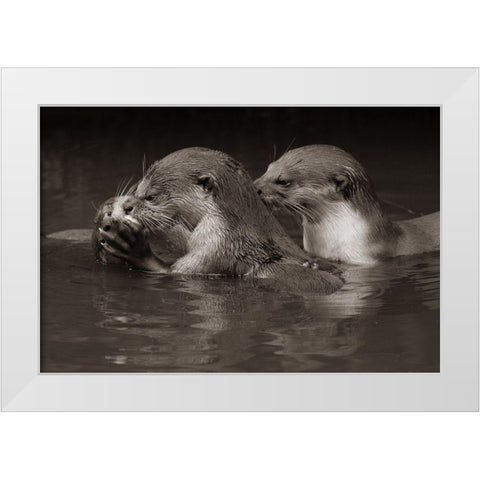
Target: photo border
<point>454,388</point>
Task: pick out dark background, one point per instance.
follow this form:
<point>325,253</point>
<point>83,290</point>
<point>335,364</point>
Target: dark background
<point>88,151</point>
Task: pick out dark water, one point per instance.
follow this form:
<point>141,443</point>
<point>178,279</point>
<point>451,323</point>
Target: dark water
<point>109,319</point>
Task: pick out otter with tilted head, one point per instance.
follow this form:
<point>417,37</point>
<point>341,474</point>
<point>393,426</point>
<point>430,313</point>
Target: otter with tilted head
<point>341,215</point>
<point>229,231</point>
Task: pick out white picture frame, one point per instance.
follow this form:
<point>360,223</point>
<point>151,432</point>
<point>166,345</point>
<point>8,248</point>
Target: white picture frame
<point>455,388</point>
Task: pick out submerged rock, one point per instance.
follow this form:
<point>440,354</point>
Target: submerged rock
<point>74,235</point>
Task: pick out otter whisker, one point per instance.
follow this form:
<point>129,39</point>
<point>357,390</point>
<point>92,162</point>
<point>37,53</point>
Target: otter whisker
<point>300,209</point>
<point>125,186</point>
<point>401,207</point>
<point>120,187</point>
<point>290,145</point>
<point>132,189</point>
<point>116,191</point>
<point>153,222</point>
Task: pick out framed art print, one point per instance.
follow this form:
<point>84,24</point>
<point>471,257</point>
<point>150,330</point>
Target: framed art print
<point>240,239</point>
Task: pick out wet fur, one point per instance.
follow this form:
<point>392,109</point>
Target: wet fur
<point>341,215</point>
<point>231,230</point>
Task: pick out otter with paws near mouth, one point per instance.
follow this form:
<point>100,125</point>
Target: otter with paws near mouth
<point>231,232</point>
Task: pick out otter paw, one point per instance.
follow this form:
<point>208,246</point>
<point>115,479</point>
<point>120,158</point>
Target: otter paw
<point>313,264</point>
<point>128,241</point>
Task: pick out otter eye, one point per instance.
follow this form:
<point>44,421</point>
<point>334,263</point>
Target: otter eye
<point>283,183</point>
<point>150,198</point>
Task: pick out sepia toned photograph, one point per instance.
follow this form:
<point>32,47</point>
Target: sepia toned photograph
<point>239,239</point>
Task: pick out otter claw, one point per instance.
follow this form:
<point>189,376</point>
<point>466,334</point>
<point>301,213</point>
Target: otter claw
<point>319,264</point>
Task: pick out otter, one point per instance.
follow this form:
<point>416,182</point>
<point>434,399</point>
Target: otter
<point>166,246</point>
<point>341,215</point>
<point>230,231</point>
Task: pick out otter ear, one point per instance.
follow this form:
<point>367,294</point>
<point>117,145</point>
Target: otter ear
<point>341,182</point>
<point>207,182</point>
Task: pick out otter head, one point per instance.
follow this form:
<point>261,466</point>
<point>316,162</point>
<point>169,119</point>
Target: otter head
<point>314,180</point>
<point>111,211</point>
<point>188,185</point>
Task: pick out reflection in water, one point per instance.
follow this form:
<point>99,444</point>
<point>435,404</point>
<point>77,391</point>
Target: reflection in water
<point>133,321</point>
<point>222,323</point>
<point>110,319</point>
